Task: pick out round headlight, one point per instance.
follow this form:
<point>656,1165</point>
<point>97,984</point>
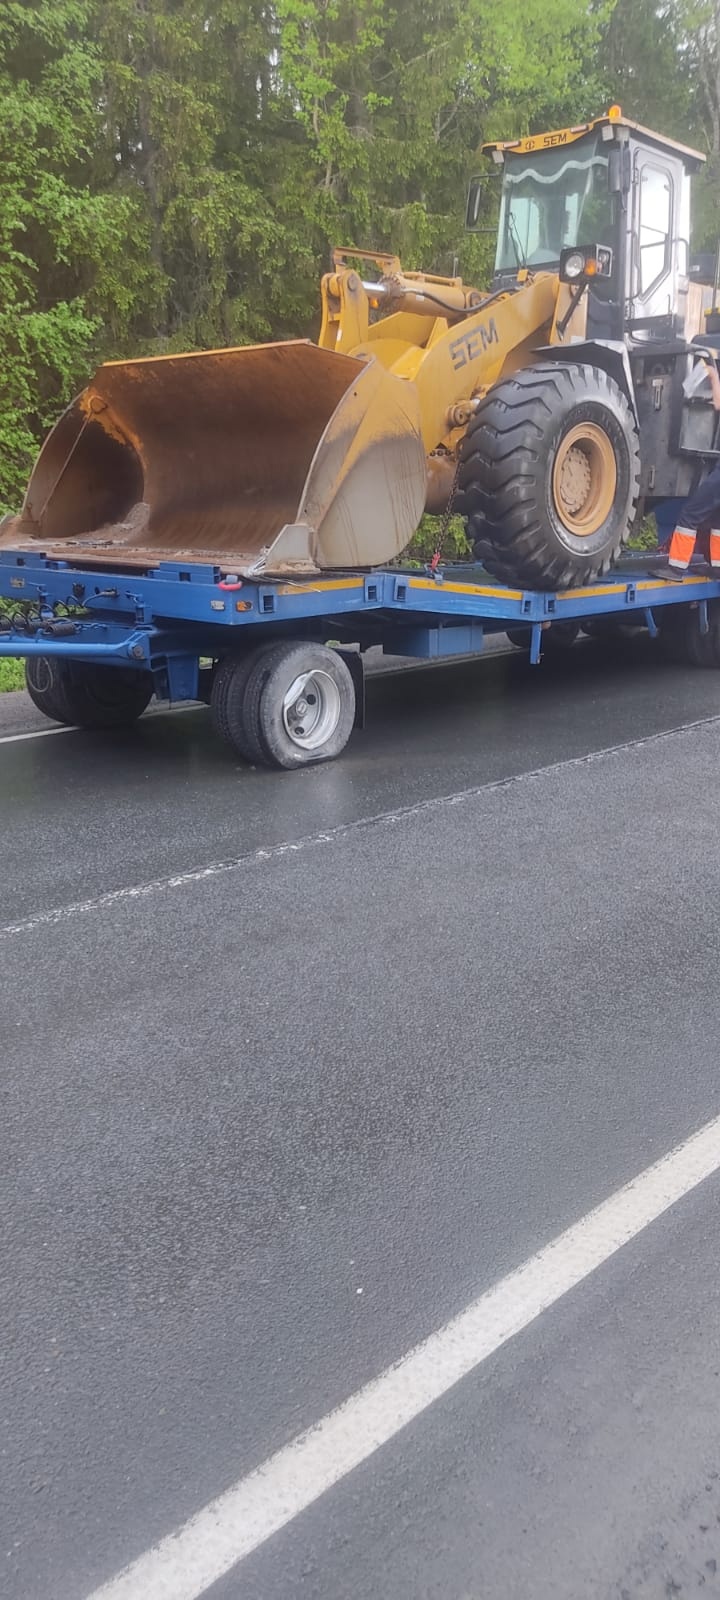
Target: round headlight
<point>574,265</point>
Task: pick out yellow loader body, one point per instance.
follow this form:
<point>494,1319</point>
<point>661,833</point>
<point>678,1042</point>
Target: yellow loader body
<point>288,458</point>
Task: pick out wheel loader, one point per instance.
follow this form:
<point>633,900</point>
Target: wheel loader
<point>550,409</point>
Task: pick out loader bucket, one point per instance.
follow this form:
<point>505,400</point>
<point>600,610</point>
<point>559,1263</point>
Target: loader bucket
<point>280,458</point>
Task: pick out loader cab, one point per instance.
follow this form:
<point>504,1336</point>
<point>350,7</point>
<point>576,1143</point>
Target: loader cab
<point>611,183</point>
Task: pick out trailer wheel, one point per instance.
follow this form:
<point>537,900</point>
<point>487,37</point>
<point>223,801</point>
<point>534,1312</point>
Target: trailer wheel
<point>81,694</point>
<point>555,640</point>
<point>295,705</point>
<point>227,705</point>
<point>615,628</point>
<point>680,637</point>
<point>44,684</point>
<point>550,475</point>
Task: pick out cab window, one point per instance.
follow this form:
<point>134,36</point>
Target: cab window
<point>655,225</point>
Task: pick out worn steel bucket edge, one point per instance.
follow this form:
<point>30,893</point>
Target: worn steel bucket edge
<point>272,458</point>
<point>365,492</point>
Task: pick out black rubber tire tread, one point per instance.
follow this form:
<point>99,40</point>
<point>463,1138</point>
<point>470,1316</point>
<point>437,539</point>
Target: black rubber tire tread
<point>681,639</point>
<point>106,697</point>
<point>556,639</point>
<point>560,636</point>
<point>672,628</point>
<point>85,695</point>
<point>45,685</point>
<point>612,628</point>
<point>265,690</point>
<point>227,704</point>
<point>519,637</point>
<point>504,483</point>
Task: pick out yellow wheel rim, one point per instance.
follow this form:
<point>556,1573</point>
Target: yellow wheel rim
<point>584,479</point>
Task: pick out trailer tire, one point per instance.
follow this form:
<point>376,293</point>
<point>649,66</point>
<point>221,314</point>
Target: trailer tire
<point>549,475</point>
<point>229,709</point>
<point>45,686</point>
<point>303,675</point>
<point>614,628</point>
<point>680,637</point>
<point>292,705</point>
<point>85,695</point>
<point>556,639</point>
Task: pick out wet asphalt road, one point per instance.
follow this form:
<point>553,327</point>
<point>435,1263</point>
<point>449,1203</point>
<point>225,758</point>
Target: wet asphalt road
<point>396,1060</point>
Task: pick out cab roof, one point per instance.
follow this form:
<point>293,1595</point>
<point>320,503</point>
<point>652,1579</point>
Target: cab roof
<point>613,118</point>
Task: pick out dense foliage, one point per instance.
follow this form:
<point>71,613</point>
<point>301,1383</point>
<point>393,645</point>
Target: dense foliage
<point>172,173</point>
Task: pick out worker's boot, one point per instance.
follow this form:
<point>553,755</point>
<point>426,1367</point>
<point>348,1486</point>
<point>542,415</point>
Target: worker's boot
<point>669,574</point>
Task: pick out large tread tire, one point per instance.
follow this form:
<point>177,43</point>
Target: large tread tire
<point>248,705</point>
<point>228,706</point>
<point>556,640</point>
<point>277,671</point>
<point>681,639</point>
<point>614,629</point>
<point>45,684</point>
<point>84,695</point>
<point>506,475</point>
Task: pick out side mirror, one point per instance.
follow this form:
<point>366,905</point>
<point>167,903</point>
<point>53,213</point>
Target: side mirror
<point>473,209</point>
<point>619,172</point>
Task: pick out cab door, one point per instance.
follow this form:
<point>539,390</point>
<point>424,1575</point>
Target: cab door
<point>653,289</point>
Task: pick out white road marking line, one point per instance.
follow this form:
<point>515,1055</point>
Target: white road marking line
<point>37,733</point>
<point>216,869</point>
<point>42,733</point>
<point>185,1563</point>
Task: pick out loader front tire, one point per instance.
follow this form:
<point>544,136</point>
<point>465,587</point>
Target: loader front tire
<point>550,475</point>
<point>83,695</point>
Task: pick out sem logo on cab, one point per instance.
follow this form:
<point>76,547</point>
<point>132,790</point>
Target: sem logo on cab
<point>545,141</point>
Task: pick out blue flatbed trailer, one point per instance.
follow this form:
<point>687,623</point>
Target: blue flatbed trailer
<point>278,661</point>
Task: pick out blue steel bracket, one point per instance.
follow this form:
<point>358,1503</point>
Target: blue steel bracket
<point>356,667</point>
<point>177,677</point>
<point>536,633</point>
<point>429,643</point>
<point>92,642</point>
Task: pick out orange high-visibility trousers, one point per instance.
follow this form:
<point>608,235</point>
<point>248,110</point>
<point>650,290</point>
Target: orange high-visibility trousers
<point>682,546</point>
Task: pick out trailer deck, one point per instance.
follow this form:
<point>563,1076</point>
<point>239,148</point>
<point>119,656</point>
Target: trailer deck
<point>175,622</point>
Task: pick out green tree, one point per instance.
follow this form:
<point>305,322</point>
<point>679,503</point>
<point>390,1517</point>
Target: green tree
<point>196,127</point>
<point>644,65</point>
<point>173,173</point>
<point>700,22</point>
<point>395,100</point>
<point>57,234</point>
